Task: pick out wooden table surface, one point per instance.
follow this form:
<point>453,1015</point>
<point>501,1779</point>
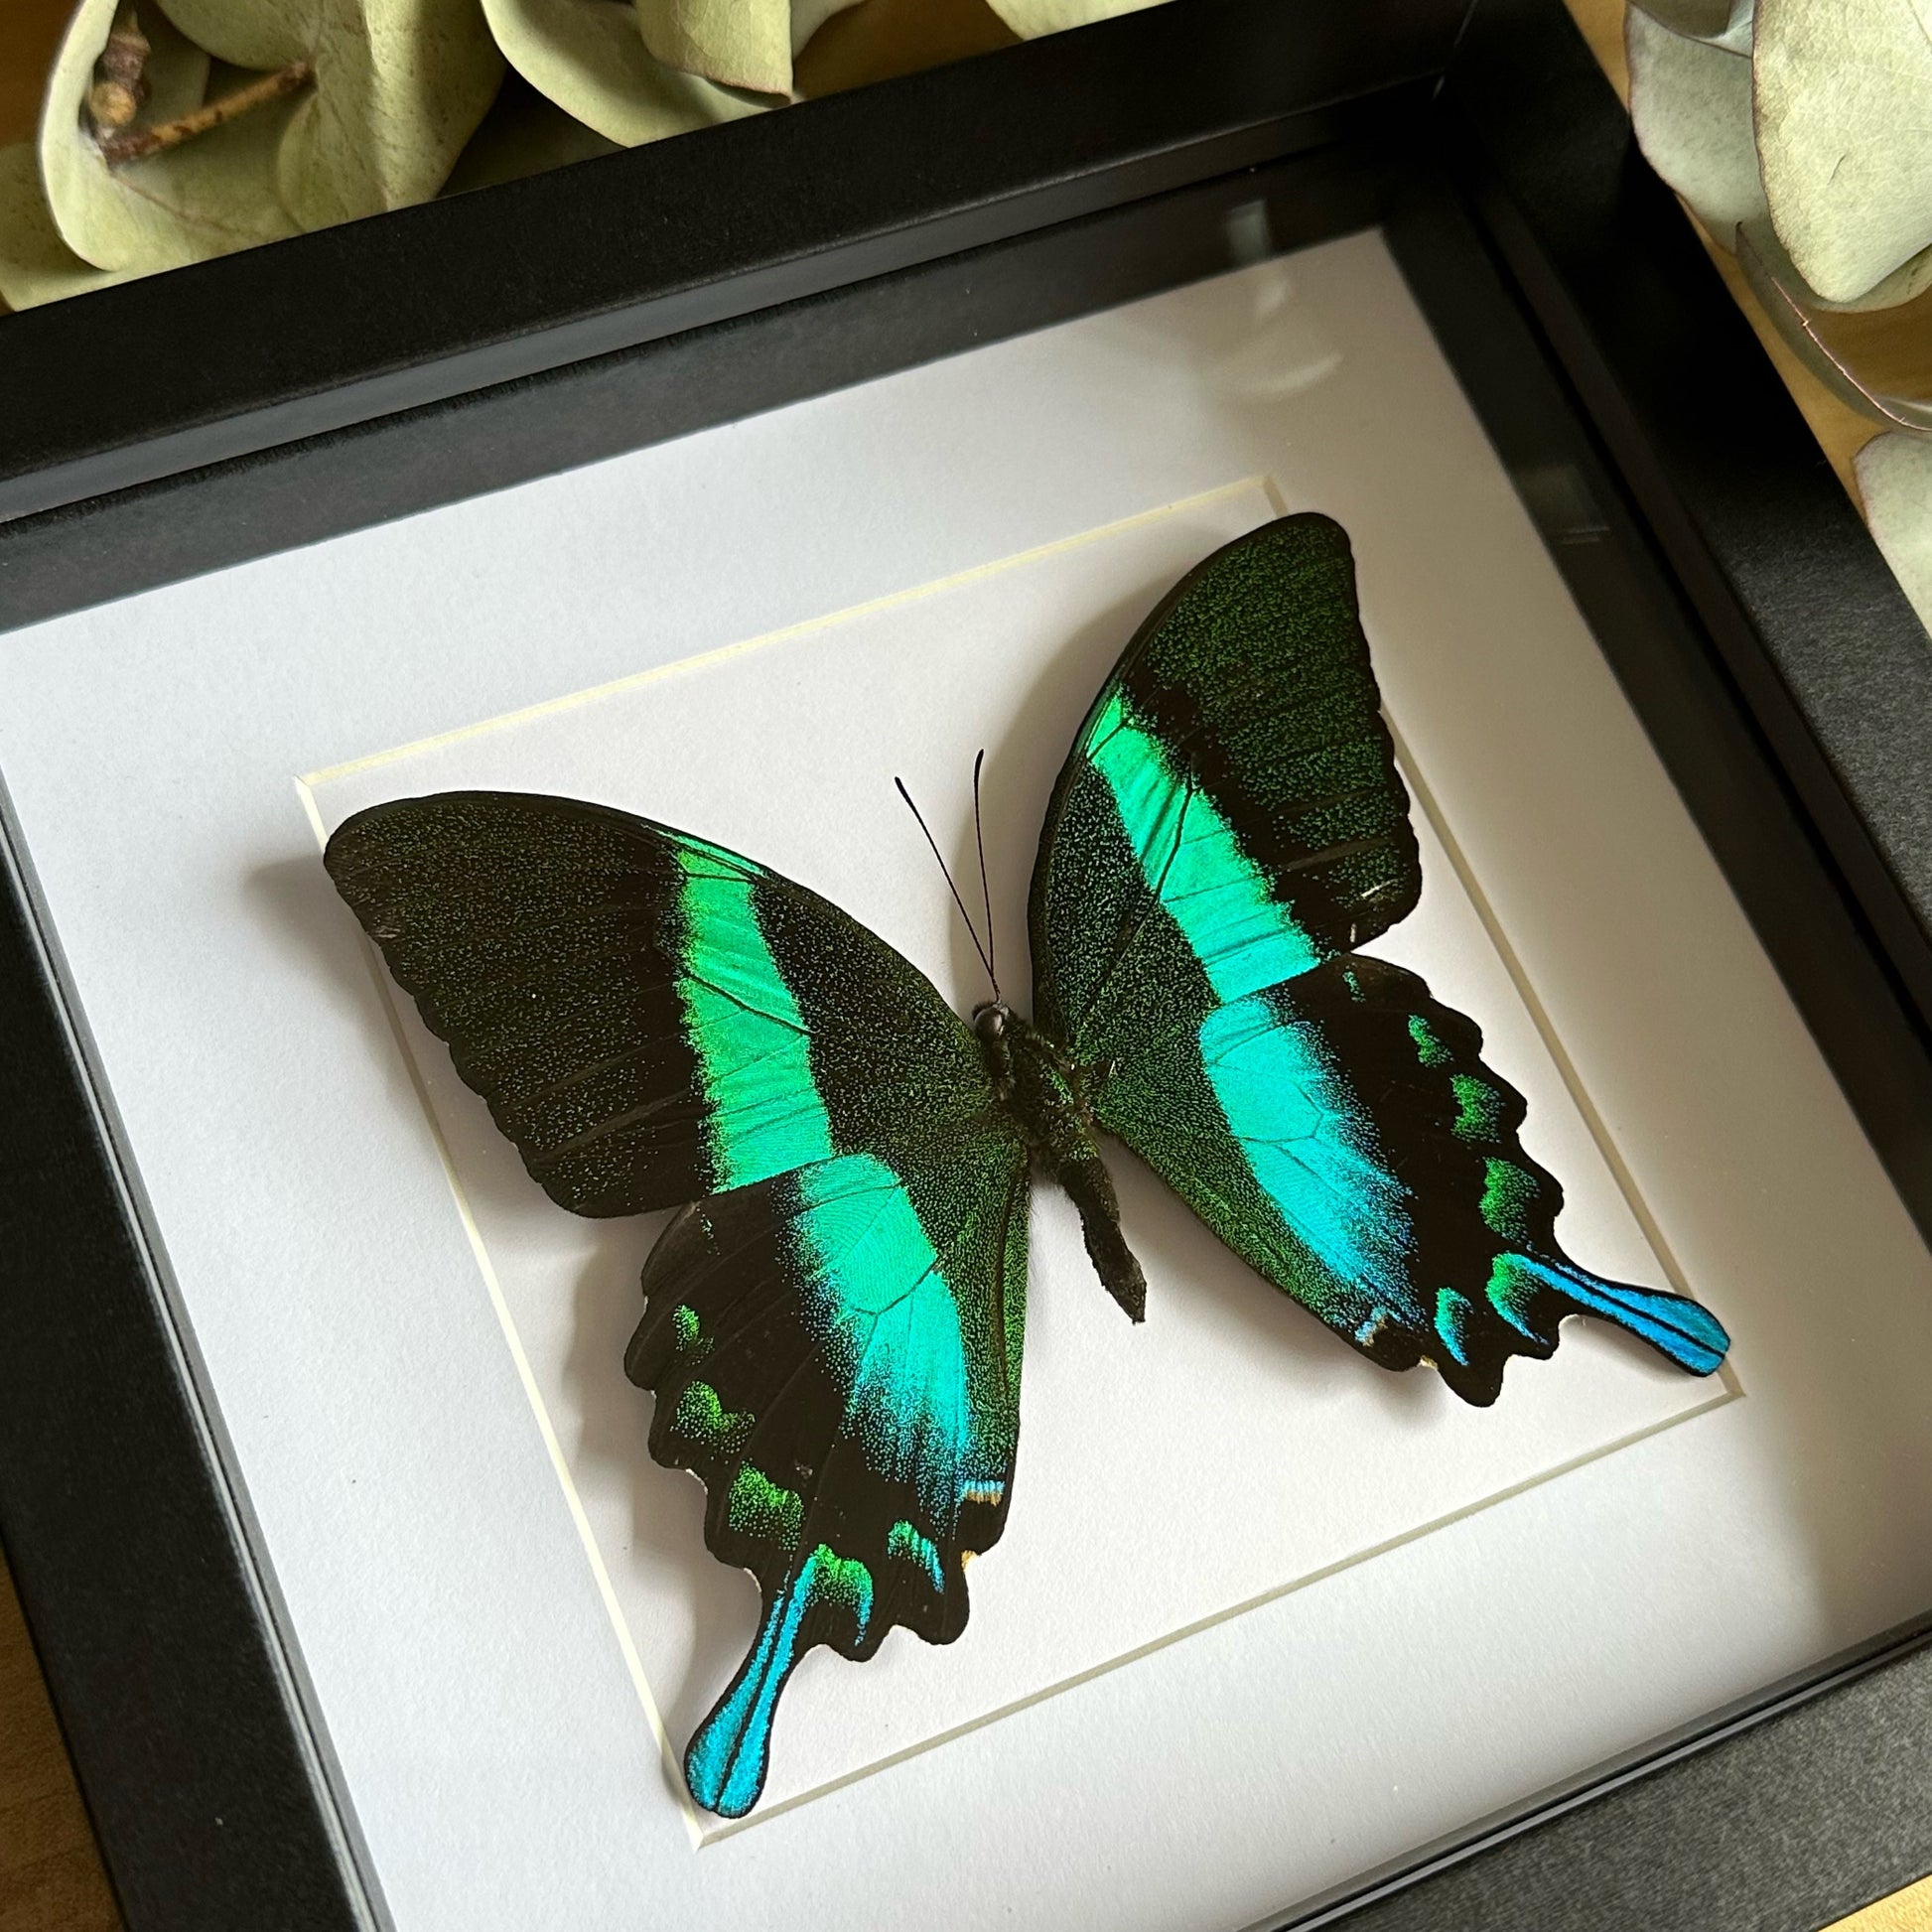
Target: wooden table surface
<point>51,1876</point>
<point>51,1879</point>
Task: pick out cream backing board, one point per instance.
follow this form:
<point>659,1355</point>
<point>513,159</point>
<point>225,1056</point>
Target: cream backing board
<point>461,1651</point>
<point>1231,1427</point>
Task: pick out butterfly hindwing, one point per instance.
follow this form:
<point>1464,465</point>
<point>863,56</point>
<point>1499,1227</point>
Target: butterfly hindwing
<point>1342,1133</point>
<point>836,1353</point>
<point>833,1322</point>
<point>1229,826</point>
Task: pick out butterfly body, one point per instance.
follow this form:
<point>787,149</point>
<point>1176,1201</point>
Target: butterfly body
<point>1051,1100</point>
<point>833,1321</point>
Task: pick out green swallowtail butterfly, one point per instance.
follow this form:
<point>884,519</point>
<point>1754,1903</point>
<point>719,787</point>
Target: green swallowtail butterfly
<point>833,1318</point>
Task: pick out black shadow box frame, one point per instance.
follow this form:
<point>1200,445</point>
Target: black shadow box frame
<point>196,419</point>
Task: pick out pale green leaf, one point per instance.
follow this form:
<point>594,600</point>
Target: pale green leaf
<point>1844,98</point>
<point>259,33</point>
<point>1895,481</point>
<point>1032,18</point>
<point>808,16</point>
<point>1784,299</point>
<point>736,43</point>
<point>36,266</point>
<point>523,134</point>
<point>207,197</point>
<point>1705,20</point>
<point>590,57</point>
<point>399,86</point>
<point>1904,283</point>
<point>1690,104</point>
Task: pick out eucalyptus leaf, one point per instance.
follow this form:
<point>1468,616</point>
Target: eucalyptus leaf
<point>1704,19</point>
<point>259,33</point>
<point>1793,319</point>
<point>1896,480</point>
<point>1032,18</point>
<point>748,44</point>
<point>1904,283</point>
<point>209,196</point>
<point>399,86</point>
<point>1843,102</point>
<point>36,266</point>
<point>588,57</point>
<point>523,134</point>
<point>1691,105</point>
<point>736,43</point>
<point>808,16</point>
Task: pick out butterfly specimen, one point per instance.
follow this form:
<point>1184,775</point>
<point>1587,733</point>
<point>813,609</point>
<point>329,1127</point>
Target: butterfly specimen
<point>832,1321</point>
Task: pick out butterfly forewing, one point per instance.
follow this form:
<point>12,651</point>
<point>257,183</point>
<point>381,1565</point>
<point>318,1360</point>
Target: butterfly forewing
<point>1233,789</point>
<point>650,1016</point>
<point>833,1325</point>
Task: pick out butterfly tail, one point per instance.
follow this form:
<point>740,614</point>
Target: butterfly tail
<point>724,1766</point>
<point>1523,1286</point>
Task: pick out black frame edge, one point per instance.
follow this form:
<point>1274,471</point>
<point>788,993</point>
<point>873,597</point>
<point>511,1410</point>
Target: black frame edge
<point>1812,628</point>
<point>224,1812</point>
<point>1670,1802</point>
<point>1804,1802</point>
<point>155,533</point>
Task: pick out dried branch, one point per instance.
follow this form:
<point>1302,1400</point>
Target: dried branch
<point>137,143</point>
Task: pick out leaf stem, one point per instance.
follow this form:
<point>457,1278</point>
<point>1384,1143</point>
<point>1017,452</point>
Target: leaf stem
<point>137,143</point>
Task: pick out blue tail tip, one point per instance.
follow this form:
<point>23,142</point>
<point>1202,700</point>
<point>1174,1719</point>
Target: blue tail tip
<point>724,1796</point>
<point>723,1767</point>
<point>1685,1331</point>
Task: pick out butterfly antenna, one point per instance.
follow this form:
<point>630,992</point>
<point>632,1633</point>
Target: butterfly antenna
<point>986,891</point>
<point>972,934</point>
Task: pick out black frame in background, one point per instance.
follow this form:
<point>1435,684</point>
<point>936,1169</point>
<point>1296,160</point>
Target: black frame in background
<point>1778,669</point>
<point>356,323</point>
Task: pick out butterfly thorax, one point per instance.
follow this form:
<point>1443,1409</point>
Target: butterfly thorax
<point>1037,1084</point>
<point>1049,1098</point>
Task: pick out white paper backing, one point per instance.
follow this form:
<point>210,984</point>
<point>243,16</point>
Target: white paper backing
<point>467,1663</point>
